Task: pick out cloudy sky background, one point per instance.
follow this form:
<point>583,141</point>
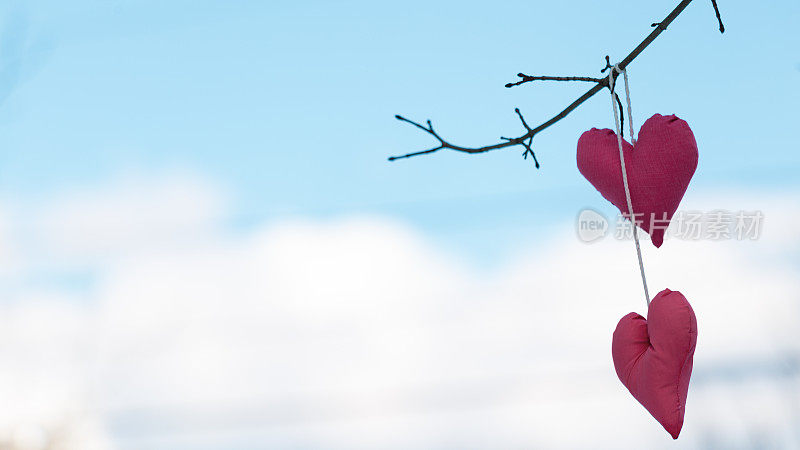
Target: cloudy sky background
<point>203,246</point>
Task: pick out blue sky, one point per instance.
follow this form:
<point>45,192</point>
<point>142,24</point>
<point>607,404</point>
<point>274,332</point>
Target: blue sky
<point>290,105</point>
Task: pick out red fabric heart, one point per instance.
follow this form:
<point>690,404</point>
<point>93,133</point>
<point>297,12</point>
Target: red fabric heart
<point>653,357</point>
<point>658,170</point>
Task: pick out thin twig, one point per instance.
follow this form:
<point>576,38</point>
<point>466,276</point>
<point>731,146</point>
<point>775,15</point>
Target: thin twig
<point>526,145</point>
<point>527,78</point>
<point>526,139</point>
<point>621,117</point>
<point>716,11</point>
<point>719,19</point>
<point>429,130</point>
<point>608,65</point>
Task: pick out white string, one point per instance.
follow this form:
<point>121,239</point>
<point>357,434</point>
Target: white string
<point>628,100</point>
<point>622,164</point>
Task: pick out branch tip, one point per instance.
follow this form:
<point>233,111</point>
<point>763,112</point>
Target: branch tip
<point>608,65</point>
<point>528,78</point>
<point>719,18</point>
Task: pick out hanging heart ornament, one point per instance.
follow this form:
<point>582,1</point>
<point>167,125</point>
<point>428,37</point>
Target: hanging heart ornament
<point>653,357</point>
<point>659,168</point>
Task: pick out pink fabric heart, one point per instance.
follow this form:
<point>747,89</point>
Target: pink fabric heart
<point>653,357</point>
<point>659,170</point>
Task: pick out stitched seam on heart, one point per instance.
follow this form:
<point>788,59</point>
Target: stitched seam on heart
<point>683,368</point>
<point>634,365</point>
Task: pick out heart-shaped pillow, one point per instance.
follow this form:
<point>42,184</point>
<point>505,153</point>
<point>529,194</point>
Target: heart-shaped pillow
<point>659,170</point>
<point>653,357</point>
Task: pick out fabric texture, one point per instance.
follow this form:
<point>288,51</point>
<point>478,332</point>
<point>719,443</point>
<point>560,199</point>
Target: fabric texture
<point>659,169</point>
<point>653,357</point>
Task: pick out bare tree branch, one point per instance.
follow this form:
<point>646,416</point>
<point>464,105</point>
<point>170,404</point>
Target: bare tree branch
<point>719,19</point>
<point>526,145</point>
<point>527,78</point>
<point>621,117</point>
<point>526,139</point>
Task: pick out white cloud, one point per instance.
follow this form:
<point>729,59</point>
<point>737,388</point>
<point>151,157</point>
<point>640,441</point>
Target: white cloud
<point>131,214</point>
<point>359,333</point>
